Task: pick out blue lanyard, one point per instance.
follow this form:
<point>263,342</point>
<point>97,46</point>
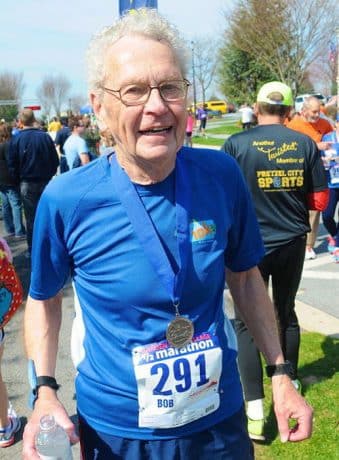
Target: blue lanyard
<point>146,232</point>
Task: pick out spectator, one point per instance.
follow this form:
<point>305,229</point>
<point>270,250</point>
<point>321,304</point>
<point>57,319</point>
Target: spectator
<point>202,117</point>
<point>310,123</point>
<point>246,116</point>
<point>53,127</point>
<point>9,421</point>
<point>189,128</point>
<point>60,139</point>
<point>75,146</point>
<point>9,190</point>
<point>32,161</point>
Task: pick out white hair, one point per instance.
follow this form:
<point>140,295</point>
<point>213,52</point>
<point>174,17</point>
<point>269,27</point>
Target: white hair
<point>144,21</point>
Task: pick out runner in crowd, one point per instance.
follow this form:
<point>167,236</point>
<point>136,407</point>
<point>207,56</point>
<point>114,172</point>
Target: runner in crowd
<point>310,122</point>
<point>331,161</point>
<point>146,235</point>
<point>286,178</point>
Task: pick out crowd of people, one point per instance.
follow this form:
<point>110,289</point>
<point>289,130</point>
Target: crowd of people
<point>148,236</point>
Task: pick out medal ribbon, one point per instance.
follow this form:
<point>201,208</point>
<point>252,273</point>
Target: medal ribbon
<point>147,233</point>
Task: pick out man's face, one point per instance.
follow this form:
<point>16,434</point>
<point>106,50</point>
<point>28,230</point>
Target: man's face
<point>152,131</point>
<point>312,112</point>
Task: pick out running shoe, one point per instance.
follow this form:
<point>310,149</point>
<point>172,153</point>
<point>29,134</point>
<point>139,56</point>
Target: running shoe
<point>336,255</point>
<point>330,244</point>
<point>256,429</point>
<point>7,434</point>
<point>310,254</point>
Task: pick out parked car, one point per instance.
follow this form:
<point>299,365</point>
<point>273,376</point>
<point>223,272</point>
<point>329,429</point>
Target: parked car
<point>214,113</point>
<point>299,100</point>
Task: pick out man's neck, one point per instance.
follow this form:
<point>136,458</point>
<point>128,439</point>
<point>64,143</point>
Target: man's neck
<point>145,172</point>
<point>270,120</point>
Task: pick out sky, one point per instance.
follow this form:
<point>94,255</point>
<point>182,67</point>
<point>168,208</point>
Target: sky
<point>42,37</point>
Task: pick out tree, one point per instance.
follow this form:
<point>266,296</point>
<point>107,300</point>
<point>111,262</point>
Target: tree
<point>61,88</point>
<point>11,91</point>
<point>285,36</point>
<point>205,63</point>
<point>53,93</point>
<point>240,75</point>
<point>75,103</point>
<point>45,94</point>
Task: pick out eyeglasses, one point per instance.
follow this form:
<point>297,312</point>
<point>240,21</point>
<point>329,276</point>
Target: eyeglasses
<point>139,93</point>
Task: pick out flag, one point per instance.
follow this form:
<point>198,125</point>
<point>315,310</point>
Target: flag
<point>125,5</point>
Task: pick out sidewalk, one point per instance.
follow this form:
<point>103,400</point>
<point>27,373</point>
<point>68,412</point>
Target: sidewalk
<point>314,320</point>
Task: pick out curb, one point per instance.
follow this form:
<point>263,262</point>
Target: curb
<point>313,320</point>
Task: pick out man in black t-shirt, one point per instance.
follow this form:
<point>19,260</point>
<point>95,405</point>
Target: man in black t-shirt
<point>286,178</point>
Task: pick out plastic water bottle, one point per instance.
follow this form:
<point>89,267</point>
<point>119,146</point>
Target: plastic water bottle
<point>52,441</point>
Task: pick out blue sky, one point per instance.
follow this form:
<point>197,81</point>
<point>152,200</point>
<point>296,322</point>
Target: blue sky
<point>41,37</point>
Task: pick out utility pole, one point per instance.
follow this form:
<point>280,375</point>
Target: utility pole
<point>193,78</point>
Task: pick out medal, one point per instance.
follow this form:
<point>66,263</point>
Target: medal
<point>179,332</point>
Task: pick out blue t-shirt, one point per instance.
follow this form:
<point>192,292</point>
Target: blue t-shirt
<point>85,231</point>
<point>73,147</point>
<point>332,166</point>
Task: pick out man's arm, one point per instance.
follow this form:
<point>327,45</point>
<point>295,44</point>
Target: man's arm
<point>250,296</point>
<point>41,328</point>
<point>13,161</point>
<point>84,158</point>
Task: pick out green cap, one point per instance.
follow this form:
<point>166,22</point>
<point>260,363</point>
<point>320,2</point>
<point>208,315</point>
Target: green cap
<point>275,93</point>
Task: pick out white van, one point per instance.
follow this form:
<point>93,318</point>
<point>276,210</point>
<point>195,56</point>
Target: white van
<point>299,100</point>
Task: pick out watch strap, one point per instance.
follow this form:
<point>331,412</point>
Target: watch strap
<point>47,381</point>
<point>279,369</point>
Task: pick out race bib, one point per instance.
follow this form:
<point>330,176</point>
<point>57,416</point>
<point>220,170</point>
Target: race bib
<point>334,174</point>
<point>177,385</point>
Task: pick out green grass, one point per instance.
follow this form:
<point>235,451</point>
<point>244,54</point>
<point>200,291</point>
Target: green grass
<point>319,373</point>
<point>207,141</point>
<point>224,127</point>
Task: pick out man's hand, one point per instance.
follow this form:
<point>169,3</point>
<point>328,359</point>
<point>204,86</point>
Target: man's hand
<point>289,404</point>
<point>45,406</point>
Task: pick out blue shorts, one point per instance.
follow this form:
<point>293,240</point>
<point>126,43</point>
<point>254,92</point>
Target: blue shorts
<point>227,440</point>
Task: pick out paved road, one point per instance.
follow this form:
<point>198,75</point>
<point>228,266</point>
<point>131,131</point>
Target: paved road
<point>318,309</point>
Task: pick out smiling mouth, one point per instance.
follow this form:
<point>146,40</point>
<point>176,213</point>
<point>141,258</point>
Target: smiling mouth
<point>156,130</point>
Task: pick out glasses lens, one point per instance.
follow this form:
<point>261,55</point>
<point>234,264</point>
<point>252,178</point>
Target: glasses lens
<point>134,93</point>
<point>173,90</point>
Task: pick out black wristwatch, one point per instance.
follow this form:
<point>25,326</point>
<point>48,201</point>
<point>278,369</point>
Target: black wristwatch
<point>37,382</point>
<point>279,369</point>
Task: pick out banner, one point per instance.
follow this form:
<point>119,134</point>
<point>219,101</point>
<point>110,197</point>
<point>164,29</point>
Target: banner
<point>125,5</point>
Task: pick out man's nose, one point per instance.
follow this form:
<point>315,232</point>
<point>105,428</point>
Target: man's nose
<point>155,100</point>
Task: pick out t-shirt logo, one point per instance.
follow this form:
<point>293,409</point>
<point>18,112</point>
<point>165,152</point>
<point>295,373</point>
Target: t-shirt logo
<point>201,231</point>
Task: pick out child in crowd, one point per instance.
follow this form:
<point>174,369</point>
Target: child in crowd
<point>9,421</point>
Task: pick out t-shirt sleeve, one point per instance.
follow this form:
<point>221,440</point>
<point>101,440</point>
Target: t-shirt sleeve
<point>82,146</point>
<point>317,180</point>
<point>245,248</point>
<point>50,260</point>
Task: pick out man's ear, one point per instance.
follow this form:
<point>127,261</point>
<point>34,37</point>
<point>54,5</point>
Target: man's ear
<point>95,103</point>
<point>98,110</point>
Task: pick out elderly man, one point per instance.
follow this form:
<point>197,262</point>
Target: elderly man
<point>286,178</point>
<point>313,125</point>
<point>147,247</point>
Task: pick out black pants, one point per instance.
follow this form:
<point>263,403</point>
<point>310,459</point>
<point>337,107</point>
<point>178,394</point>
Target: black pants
<point>284,266</point>
<point>30,195</point>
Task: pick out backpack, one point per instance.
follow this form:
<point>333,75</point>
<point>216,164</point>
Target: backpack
<point>11,292</point>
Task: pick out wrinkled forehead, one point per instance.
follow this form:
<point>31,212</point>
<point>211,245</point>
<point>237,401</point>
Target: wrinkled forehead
<point>135,57</point>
